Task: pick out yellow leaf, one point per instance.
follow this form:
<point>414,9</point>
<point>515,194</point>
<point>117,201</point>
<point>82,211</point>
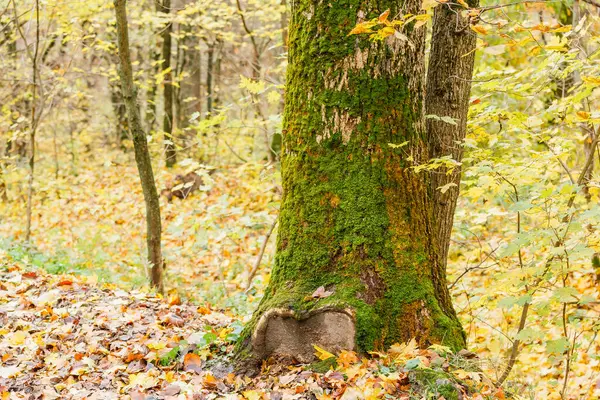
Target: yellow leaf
<point>422,20</point>
<point>252,395</point>
<point>322,354</point>
<point>562,29</point>
<point>253,86</point>
<point>461,374</point>
<point>143,380</point>
<point>387,31</point>
<point>347,358</point>
<point>156,345</point>
<point>479,29</point>
<point>273,97</point>
<point>556,47</point>
<point>428,4</point>
<point>360,28</point>
<point>584,115</point>
<point>18,338</point>
<point>463,3</point>
<point>591,80</point>
<point>404,350</point>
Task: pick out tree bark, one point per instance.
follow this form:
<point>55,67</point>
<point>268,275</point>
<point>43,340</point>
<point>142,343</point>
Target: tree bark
<point>155,53</point>
<point>121,130</point>
<point>209,78</point>
<point>357,265</point>
<point>171,156</point>
<point>34,118</point>
<point>449,76</point>
<point>142,155</point>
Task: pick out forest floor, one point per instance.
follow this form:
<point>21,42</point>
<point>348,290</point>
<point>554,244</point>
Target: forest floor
<point>69,337</point>
<point>103,329</point>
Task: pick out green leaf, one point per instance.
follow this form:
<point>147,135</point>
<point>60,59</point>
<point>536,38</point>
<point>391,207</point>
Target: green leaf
<point>558,346</point>
<point>412,364</point>
<point>529,334</point>
<point>507,302</point>
<point>566,294</point>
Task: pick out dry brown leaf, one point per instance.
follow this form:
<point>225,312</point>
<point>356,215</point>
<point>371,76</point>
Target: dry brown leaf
<point>192,362</point>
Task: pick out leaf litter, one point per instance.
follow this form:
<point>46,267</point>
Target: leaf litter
<point>67,337</point>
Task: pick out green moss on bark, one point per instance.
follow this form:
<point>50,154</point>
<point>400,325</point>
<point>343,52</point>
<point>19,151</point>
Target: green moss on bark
<point>355,218</point>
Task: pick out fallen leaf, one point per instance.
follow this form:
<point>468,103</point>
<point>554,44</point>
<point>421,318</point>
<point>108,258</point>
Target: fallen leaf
<point>173,320</point>
<point>209,381</point>
<point>322,354</point>
<point>321,293</point>
<point>192,362</point>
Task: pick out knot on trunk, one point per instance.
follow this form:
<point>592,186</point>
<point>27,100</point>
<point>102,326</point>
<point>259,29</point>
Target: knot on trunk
<point>285,333</point>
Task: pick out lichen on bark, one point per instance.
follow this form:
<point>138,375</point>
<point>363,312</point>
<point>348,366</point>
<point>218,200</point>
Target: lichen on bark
<point>355,217</point>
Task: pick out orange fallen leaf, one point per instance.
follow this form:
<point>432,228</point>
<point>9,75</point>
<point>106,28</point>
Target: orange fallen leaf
<point>204,310</point>
<point>30,275</point>
<point>347,358</point>
<point>209,381</point>
<point>65,282</point>
<point>174,299</point>
<point>192,362</point>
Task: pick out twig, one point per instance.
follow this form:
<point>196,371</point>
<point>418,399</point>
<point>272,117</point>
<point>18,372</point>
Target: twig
<point>260,256</point>
<point>514,352</point>
<point>469,269</point>
<point>592,2</point>
<point>515,347</point>
<point>242,159</point>
<point>588,164</point>
<point>562,163</point>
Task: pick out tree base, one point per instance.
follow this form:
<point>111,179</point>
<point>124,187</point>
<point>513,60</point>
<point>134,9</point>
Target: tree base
<point>284,333</point>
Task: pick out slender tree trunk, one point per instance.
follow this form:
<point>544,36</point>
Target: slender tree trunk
<point>180,61</point>
<point>171,155</point>
<point>197,78</point>
<point>155,53</point>
<point>150,116</point>
<point>142,155</point>
<point>209,78</point>
<point>356,265</point>
<point>34,120</point>
<point>216,91</point>
<point>587,129</point>
<point>449,76</point>
<point>121,129</point>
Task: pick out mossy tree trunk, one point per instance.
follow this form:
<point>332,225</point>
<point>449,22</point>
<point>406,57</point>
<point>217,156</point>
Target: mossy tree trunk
<point>355,217</point>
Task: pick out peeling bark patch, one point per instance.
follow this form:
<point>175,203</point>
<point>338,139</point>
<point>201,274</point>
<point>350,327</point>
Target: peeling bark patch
<point>374,287</point>
<point>422,322</point>
<point>282,333</point>
<point>340,122</point>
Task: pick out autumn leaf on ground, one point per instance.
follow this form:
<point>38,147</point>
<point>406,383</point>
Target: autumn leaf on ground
<point>192,362</point>
<point>322,354</point>
<point>347,358</point>
<point>321,293</point>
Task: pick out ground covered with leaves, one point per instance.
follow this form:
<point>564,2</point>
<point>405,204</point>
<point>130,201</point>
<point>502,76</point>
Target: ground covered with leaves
<point>72,338</point>
<point>91,225</point>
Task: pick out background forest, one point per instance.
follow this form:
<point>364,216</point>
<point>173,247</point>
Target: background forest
<point>211,80</point>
